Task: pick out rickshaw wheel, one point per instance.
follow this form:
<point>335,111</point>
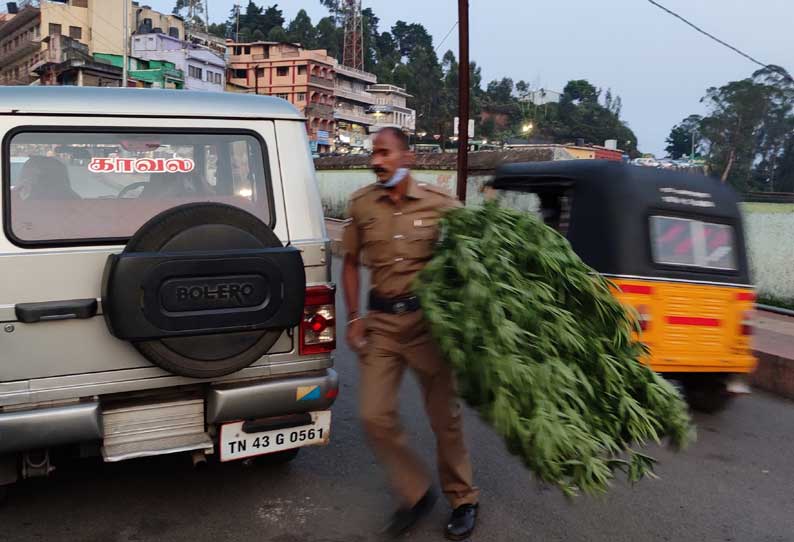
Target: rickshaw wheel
<point>708,394</point>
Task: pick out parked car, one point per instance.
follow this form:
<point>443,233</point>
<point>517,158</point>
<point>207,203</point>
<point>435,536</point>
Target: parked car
<point>192,310</point>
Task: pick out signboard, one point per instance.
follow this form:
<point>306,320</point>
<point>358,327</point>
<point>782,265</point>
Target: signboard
<point>457,131</point>
<point>322,137</point>
<point>313,145</point>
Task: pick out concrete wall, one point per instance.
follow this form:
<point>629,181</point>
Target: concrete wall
<point>771,251</point>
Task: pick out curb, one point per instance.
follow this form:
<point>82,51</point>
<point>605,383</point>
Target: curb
<point>774,374</point>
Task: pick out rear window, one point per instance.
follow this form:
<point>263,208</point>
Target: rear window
<point>693,243</point>
<point>84,187</point>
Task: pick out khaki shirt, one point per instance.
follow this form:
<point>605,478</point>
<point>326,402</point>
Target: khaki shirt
<point>397,240</point>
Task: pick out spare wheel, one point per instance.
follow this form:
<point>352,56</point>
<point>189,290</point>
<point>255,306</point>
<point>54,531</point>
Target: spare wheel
<point>203,290</point>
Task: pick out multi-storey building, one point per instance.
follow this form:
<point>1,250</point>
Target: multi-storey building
<point>351,107</point>
<point>204,69</point>
<point>304,78</point>
<point>97,24</point>
<point>391,108</point>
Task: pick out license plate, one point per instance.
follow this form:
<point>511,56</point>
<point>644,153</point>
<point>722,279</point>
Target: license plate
<point>237,444</point>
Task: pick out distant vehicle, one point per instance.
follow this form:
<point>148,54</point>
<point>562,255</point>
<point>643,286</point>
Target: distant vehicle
<point>427,148</point>
<point>646,162</point>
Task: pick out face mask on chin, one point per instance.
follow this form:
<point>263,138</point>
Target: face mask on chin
<point>397,178</point>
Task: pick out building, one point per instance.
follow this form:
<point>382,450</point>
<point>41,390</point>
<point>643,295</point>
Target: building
<point>542,97</point>
<point>98,25</point>
<point>209,41</point>
<point>391,108</point>
<point>66,61</point>
<point>304,78</point>
<point>204,69</point>
<point>351,108</point>
<point>147,73</point>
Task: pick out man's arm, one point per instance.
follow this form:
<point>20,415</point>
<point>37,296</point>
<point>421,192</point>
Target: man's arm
<point>351,244</point>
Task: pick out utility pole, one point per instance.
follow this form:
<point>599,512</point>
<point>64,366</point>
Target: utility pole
<point>126,59</point>
<point>692,136</point>
<point>237,34</point>
<point>463,98</point>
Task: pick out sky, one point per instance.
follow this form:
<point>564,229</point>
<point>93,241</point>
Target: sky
<point>658,66</point>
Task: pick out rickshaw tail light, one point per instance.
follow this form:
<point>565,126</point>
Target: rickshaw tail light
<point>644,317</point>
<point>745,296</point>
<point>747,323</point>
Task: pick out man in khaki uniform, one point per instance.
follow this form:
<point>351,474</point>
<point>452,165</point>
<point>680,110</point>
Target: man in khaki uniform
<point>394,225</point>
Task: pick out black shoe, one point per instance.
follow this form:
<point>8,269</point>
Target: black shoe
<point>405,518</point>
<point>462,522</point>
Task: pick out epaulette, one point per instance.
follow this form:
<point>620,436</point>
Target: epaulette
<point>363,191</point>
<point>435,189</point>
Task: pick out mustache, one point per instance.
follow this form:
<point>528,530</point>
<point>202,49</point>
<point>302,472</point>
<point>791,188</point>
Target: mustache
<point>379,170</point>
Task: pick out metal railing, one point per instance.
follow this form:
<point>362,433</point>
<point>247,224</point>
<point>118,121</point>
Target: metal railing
<point>355,73</point>
<point>351,116</point>
<point>319,110</point>
<point>321,81</point>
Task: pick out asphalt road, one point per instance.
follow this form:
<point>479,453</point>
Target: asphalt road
<point>735,484</point>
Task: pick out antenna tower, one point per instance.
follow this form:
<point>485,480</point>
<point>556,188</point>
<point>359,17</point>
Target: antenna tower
<point>353,53</point>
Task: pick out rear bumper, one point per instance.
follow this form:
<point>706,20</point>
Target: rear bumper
<point>41,428</point>
<point>272,397</point>
<point>697,364</point>
<point>26,430</point>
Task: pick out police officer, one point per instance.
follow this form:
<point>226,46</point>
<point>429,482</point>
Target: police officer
<point>393,227</point>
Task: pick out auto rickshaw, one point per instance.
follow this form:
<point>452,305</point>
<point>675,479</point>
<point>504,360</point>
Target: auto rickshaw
<point>673,246</point>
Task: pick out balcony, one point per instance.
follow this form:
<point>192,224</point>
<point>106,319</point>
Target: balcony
<point>352,116</point>
<point>320,110</point>
<point>260,57</point>
<point>353,73</point>
<point>321,82</point>
<point>25,48</point>
<point>355,96</point>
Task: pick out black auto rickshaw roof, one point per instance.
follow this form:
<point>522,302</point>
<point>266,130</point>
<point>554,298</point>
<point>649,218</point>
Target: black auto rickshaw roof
<point>610,208</point>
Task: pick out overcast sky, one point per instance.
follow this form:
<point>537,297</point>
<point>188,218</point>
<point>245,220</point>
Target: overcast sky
<point>659,66</point>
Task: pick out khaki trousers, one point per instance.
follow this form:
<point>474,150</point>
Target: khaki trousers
<point>395,342</point>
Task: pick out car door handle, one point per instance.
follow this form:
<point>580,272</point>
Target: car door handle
<point>31,313</point>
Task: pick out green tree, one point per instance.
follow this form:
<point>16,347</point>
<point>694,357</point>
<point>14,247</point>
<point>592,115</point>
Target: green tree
<point>679,142</point>
<point>732,128</point>
<point>277,34</point>
<point>192,12</point>
<point>301,30</point>
<point>272,18</point>
<point>500,92</point>
<point>220,30</point>
<point>329,37</point>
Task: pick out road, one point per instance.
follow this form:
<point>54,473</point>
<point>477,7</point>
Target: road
<point>733,485</point>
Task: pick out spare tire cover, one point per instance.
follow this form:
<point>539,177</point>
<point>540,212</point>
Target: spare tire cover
<point>203,290</point>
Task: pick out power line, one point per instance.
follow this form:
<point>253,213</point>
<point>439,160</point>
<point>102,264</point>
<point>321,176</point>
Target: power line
<point>445,37</point>
<point>781,71</point>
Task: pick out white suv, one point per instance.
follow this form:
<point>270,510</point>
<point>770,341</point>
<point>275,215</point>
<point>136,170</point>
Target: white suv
<point>166,280</point>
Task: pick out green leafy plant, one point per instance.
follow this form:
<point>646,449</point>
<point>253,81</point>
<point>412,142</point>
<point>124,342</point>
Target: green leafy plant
<point>545,352</point>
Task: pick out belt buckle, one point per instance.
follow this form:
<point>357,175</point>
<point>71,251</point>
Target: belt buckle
<point>400,307</point>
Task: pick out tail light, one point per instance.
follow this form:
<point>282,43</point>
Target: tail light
<point>318,328</point>
<point>644,314</point>
<point>747,323</point>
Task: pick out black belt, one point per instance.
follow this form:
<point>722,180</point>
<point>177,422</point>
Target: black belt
<point>396,305</point>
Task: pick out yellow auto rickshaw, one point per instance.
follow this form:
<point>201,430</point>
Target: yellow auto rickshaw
<point>673,245</point>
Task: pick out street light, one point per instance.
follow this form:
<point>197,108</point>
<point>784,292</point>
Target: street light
<point>527,128</point>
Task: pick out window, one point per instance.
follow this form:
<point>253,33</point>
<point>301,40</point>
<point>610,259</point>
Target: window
<point>247,50</point>
<point>75,32</point>
<point>301,97</point>
<point>55,29</point>
<point>301,70</point>
<point>80,3</point>
<point>283,96</point>
<point>218,79</point>
<point>282,71</point>
<point>260,72</point>
<point>238,50</point>
<point>194,72</point>
<point>240,74</point>
<point>209,76</point>
<point>694,243</point>
<point>104,186</point>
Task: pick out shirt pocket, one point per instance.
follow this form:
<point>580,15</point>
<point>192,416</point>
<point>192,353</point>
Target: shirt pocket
<point>422,238</point>
<point>375,241</point>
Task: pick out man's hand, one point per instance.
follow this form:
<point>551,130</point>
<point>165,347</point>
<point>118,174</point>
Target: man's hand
<point>356,336</point>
